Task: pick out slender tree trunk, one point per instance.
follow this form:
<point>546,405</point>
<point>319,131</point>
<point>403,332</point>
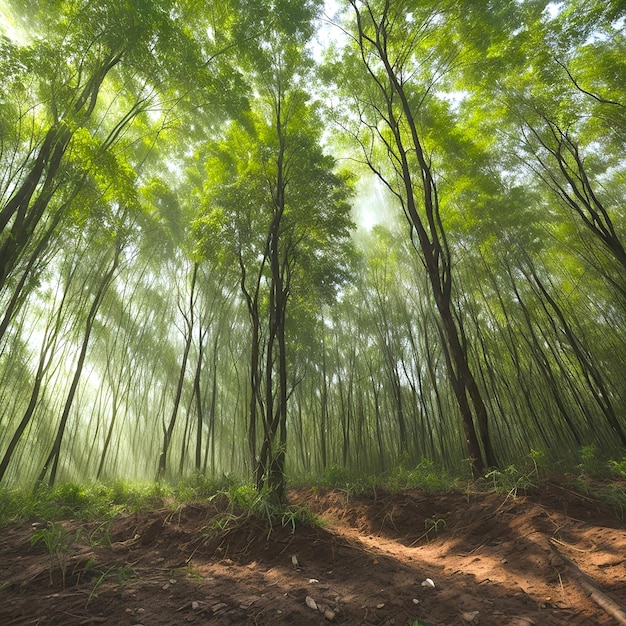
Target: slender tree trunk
<point>592,375</point>
<point>430,234</point>
<point>189,321</point>
<point>197,391</point>
<point>45,360</point>
<point>55,453</point>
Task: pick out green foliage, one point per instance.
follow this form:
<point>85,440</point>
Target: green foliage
<point>434,526</point>
<point>54,537</point>
<point>510,480</point>
<point>70,500</point>
<point>590,462</point>
<point>198,486</point>
<point>353,483</point>
<point>246,503</point>
<point>57,541</point>
<point>295,516</point>
<point>163,118</point>
<point>618,468</point>
<point>121,574</point>
<point>425,475</point>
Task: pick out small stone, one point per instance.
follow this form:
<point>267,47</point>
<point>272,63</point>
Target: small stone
<point>380,605</point>
<point>329,615</point>
<point>470,617</point>
<point>311,603</point>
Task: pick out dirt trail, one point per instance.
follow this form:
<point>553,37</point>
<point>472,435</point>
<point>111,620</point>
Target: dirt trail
<point>488,557</point>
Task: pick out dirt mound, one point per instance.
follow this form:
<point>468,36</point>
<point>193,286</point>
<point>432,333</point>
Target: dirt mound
<point>453,558</point>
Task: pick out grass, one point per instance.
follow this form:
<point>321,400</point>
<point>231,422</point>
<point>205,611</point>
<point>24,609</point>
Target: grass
<point>73,501</point>
<point>244,503</point>
<point>591,474</point>
<point>120,574</point>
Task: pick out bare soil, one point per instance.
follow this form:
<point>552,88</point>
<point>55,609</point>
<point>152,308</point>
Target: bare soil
<point>491,559</point>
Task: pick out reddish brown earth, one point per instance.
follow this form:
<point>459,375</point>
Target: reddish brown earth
<point>488,556</point>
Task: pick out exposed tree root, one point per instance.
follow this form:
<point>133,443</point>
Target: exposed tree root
<point>589,586</point>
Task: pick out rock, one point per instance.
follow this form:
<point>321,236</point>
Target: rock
<point>311,603</point>
<point>470,617</point>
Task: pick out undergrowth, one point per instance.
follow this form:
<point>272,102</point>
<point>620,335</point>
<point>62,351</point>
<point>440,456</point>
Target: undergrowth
<point>422,475</point>
<point>595,476</point>
<point>74,501</point>
<point>104,502</point>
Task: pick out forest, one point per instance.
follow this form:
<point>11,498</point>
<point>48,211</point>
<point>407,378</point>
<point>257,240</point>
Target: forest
<point>278,238</point>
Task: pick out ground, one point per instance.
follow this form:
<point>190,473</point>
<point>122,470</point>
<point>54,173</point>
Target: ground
<point>406,558</point>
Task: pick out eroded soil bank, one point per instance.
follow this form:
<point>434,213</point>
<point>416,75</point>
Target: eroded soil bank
<point>493,559</point>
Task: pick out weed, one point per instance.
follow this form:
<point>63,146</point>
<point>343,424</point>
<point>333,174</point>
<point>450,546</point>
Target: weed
<point>511,480</point>
<point>433,526</point>
<point>425,475</point>
<point>54,537</point>
<point>198,486</point>
<point>193,574</point>
<point>618,468</point>
<point>538,459</point>
<point>389,517</point>
<point>122,575</point>
<point>57,542</point>
<point>615,495</point>
<point>299,515</point>
<point>590,463</point>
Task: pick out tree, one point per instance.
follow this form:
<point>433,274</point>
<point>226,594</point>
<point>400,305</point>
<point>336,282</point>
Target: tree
<point>391,88</point>
<point>276,210</point>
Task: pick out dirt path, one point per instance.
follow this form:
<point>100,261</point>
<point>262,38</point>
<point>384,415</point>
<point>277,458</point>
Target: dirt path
<point>488,557</point>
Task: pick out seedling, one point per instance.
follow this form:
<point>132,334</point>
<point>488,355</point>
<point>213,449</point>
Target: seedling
<point>434,526</point>
<point>123,575</point>
<point>55,538</point>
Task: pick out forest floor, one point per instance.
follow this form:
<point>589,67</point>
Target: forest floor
<point>491,558</point>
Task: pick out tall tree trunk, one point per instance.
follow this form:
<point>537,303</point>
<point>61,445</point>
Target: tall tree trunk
<point>55,453</point>
<point>189,323</point>
<point>431,236</point>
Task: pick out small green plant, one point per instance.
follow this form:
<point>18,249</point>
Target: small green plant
<point>122,575</point>
<point>423,475</point>
<point>390,517</point>
<point>299,515</point>
<point>618,468</point>
<point>55,538</point>
<point>510,480</point>
<point>538,459</point>
<point>590,462</point>
<point>433,526</point>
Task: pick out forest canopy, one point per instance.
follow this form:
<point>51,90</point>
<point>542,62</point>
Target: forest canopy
<point>278,237</point>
